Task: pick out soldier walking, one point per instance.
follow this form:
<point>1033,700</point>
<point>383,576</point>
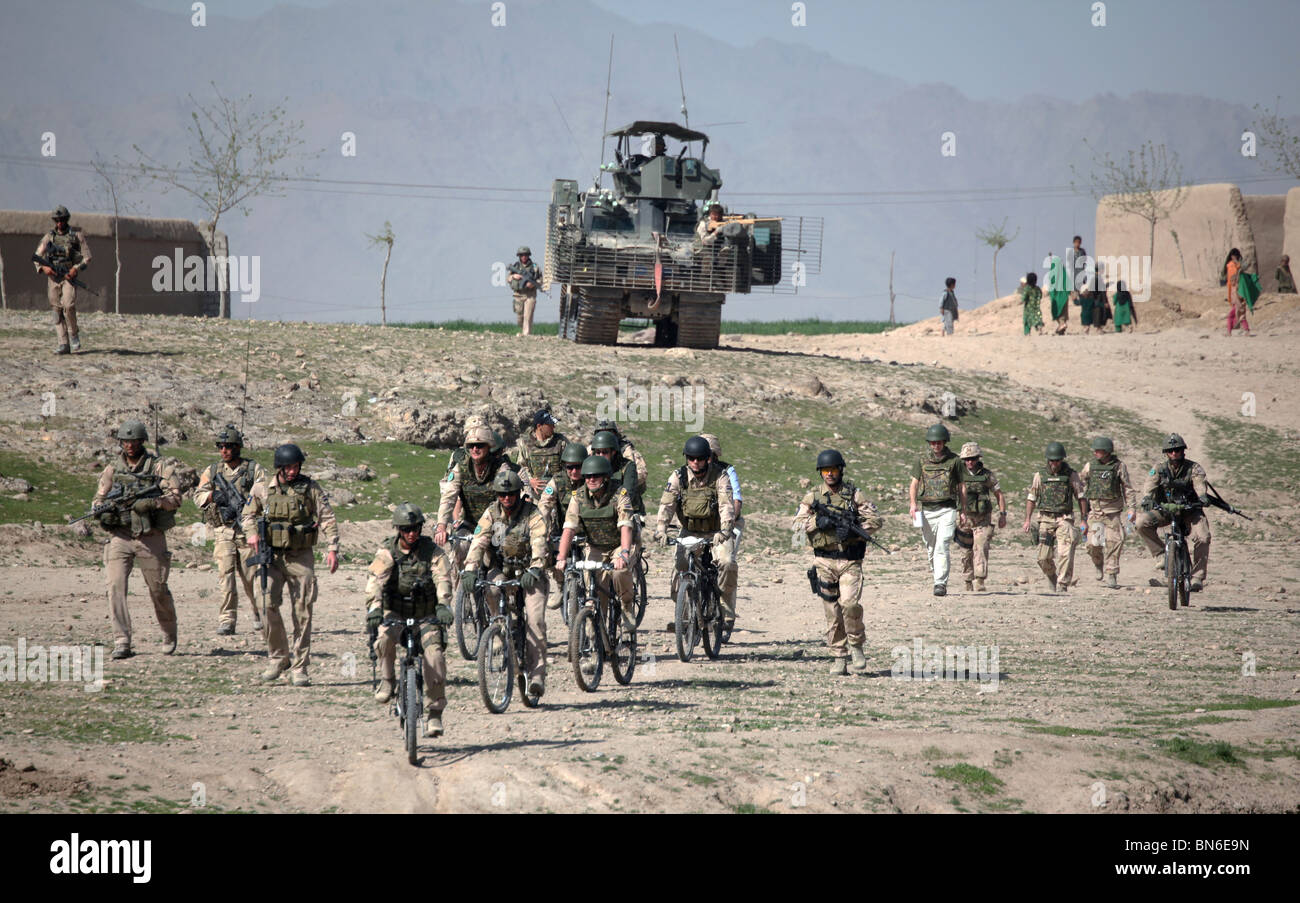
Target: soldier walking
<point>64,247</point>
<point>410,577</point>
<point>1176,488</point>
<point>982,488</point>
<point>524,279</point>
<point>938,488</point>
<point>138,532</point>
<point>537,454</point>
<point>1108,489</point>
<point>224,487</point>
<point>1053,492</point>
<point>837,559</point>
<point>297,512</point>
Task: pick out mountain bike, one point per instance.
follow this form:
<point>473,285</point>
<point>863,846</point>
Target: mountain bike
<point>597,632</point>
<point>1178,560</point>
<point>502,646</point>
<point>469,610</point>
<point>408,702</point>
<point>698,614</point>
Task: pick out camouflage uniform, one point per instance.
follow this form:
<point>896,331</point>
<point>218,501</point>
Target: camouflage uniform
<point>65,248</point>
<point>601,518</point>
<point>538,460</point>
<point>297,513</point>
<point>230,546</point>
<point>523,536</point>
<point>982,490</point>
<point>525,300</point>
<point>1164,483</point>
<point>1054,502</point>
<point>391,568</point>
<point>553,504</point>
<point>1108,489</point>
<point>839,564</point>
<point>703,506</point>
<point>472,488</point>
<point>141,537</point>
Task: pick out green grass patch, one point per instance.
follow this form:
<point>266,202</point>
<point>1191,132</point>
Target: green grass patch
<point>751,809</point>
<point>1208,755</point>
<point>703,780</point>
<point>1061,730</point>
<point>974,779</point>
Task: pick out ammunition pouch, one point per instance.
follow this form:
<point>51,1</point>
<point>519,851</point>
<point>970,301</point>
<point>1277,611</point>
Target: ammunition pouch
<point>849,553</point>
<point>829,591</point>
<point>964,538</point>
<point>291,536</point>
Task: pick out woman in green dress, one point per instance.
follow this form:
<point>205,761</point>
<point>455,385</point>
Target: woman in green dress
<point>1122,302</point>
<point>1031,296</point>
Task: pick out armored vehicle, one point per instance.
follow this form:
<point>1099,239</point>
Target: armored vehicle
<point>633,250</point>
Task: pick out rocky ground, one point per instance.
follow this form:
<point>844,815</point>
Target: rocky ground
<point>1100,700</point>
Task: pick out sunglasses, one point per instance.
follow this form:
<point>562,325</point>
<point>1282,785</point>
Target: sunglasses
<point>228,445</point>
<point>693,458</point>
<point>477,445</point>
<point>414,529</point>
<point>573,467</point>
<point>826,470</point>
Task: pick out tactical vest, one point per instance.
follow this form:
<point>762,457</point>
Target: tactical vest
<point>626,476</point>
<point>562,495</point>
<point>243,481</point>
<point>1178,489</point>
<point>599,520</point>
<point>132,481</point>
<point>841,502</point>
<point>410,591</point>
<point>1103,481</point>
<point>979,491</point>
<point>544,460</point>
<point>936,480</point>
<point>514,540</point>
<point>477,495</point>
<point>529,272</point>
<point>291,522</point>
<point>1054,496</point>
<point>697,507</point>
<point>64,248</point>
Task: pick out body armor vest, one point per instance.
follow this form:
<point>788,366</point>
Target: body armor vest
<point>410,591</point>
<point>477,495</point>
<point>1103,480</point>
<point>1054,497</point>
<point>64,248</point>
<point>841,502</point>
<point>514,539</point>
<point>544,460</point>
<point>291,522</point>
<point>936,480</point>
<point>626,476</point>
<point>599,519</point>
<point>1176,488</point>
<point>133,481</point>
<point>242,480</point>
<point>979,491</point>
<point>564,489</point>
<point>697,507</point>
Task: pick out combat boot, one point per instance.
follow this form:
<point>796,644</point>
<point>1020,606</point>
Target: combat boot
<point>168,644</point>
<point>386,690</point>
<point>970,586</point>
<point>1197,585</point>
<point>1160,562</point>
<point>433,726</point>
<point>940,589</point>
<point>859,659</point>
<point>979,585</point>
<point>839,667</point>
<point>1112,581</point>
<point>62,349</point>
<point>536,685</point>
<point>120,652</point>
<point>76,344</point>
<point>1100,574</point>
<point>274,671</point>
<point>226,630</point>
<point>300,679</point>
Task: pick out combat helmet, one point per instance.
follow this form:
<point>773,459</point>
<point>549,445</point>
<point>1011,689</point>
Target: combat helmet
<point>597,466</point>
<point>407,515</point>
<point>697,447</point>
<point>133,429</point>
<point>60,212</point>
<point>970,450</point>
<point>1103,443</point>
<point>507,482</point>
<point>1055,451</point>
<point>937,433</point>
<point>573,454</point>
<point>604,439</point>
<point>288,454</point>
<point>1174,441</point>
<point>230,436</point>
<point>524,249</point>
<point>830,458</point>
<point>479,435</point>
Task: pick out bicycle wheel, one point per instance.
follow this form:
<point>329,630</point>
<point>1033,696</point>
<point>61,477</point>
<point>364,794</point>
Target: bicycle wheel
<point>413,705</point>
<point>1171,572</point>
<point>711,615</point>
<point>624,644</point>
<point>467,623</point>
<point>1185,575</point>
<point>496,667</point>
<point>571,598</point>
<point>685,627</point>
<point>585,650</point>
<point>639,588</point>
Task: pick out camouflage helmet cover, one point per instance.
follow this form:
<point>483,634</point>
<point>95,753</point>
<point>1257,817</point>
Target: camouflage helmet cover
<point>407,515</point>
<point>230,436</point>
<point>479,435</point>
<point>133,429</point>
<point>714,446</point>
<point>971,450</point>
<point>1173,442</point>
<point>60,212</point>
<point>507,482</point>
<point>524,249</point>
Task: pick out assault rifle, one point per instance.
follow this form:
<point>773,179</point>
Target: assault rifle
<point>61,273</point>
<point>373,634</point>
<point>1212,497</point>
<point>229,501</point>
<point>119,499</point>
<point>262,561</point>
<point>845,527</point>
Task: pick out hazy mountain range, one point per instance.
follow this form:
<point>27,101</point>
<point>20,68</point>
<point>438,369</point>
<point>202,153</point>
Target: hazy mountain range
<point>438,96</point>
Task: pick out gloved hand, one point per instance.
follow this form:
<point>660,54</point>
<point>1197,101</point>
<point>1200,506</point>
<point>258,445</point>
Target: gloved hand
<point>470,579</point>
<point>529,579</point>
<point>658,535</point>
<point>373,617</point>
<point>145,506</point>
<point>1171,508</point>
<point>825,522</point>
<point>444,615</point>
<point>719,538</point>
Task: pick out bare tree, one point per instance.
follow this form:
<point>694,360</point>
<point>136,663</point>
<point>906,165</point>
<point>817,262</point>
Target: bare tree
<point>385,240</point>
<point>996,238</point>
<point>118,184</point>
<point>1148,185</point>
<point>237,152</point>
<point>1275,135</point>
<point>892,321</point>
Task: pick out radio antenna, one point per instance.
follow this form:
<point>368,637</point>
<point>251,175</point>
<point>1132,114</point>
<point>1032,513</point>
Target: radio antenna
<point>681,84</point>
<point>604,126</point>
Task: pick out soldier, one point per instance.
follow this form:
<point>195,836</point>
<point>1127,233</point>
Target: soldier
<point>624,453</point>
<point>537,455</point>
<point>706,230</point>
<point>602,511</point>
<point>977,515</point>
<point>513,528</point>
<point>553,504</point>
<point>138,532</point>
<point>1176,488</point>
<point>837,559</point>
<point>1108,489</point>
<point>698,495</point>
<point>222,507</point>
<point>64,247</point>
<point>297,511</point>
<point>524,279</point>
<point>1054,494</point>
<point>938,488</point>
<point>469,484</point>
<point>739,525</point>
<point>411,578</point>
